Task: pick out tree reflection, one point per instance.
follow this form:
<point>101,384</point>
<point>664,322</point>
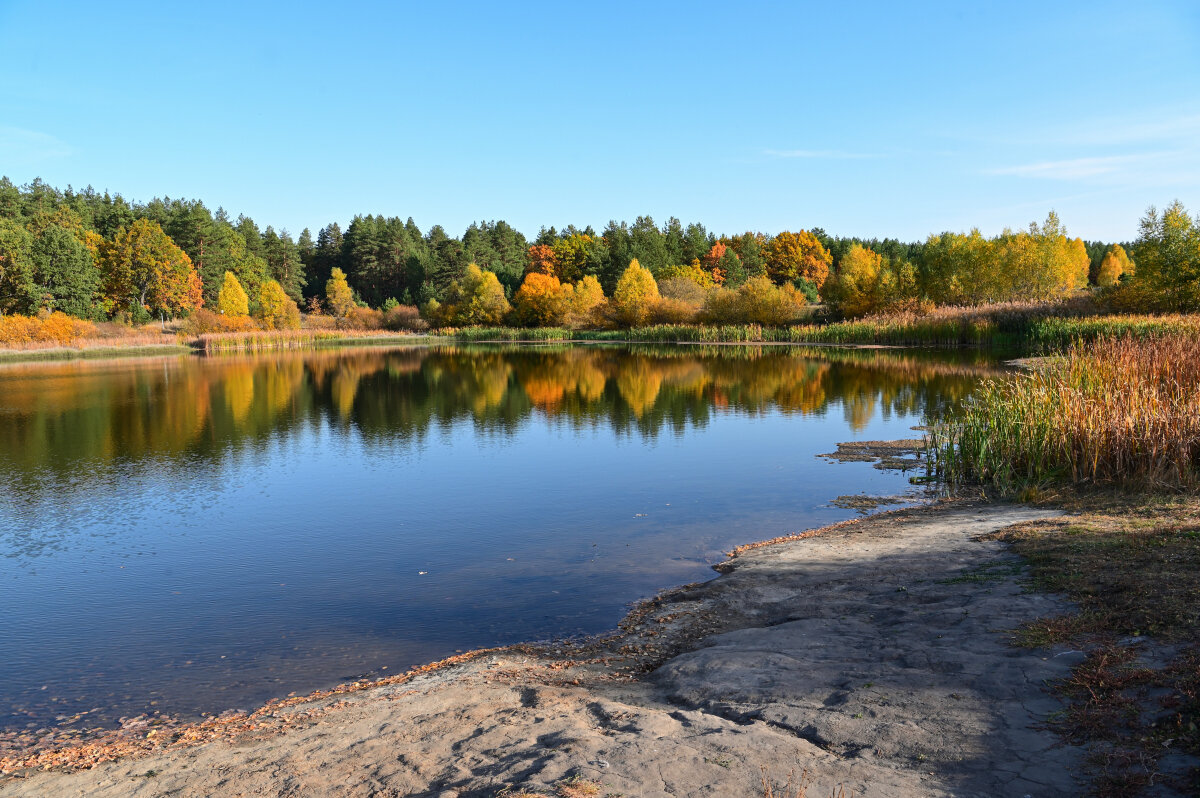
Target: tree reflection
<point>60,423</point>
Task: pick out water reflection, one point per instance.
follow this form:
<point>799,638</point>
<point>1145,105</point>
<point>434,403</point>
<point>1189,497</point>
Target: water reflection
<point>61,420</point>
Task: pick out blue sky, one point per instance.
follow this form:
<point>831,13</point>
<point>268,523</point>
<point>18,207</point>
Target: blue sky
<point>873,119</point>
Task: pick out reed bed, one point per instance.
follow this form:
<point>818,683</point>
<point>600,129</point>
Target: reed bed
<point>1028,328</point>
<point>1117,411</point>
<point>273,340</point>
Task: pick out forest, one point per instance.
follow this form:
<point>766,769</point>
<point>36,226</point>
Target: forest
<point>98,257</point>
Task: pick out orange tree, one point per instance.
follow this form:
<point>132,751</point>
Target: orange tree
<point>797,256</point>
<point>541,301</point>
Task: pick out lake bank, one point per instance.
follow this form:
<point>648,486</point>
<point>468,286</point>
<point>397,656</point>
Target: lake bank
<point>871,655</point>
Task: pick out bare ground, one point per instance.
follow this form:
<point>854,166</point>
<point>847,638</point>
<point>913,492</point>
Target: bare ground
<point>876,656</point>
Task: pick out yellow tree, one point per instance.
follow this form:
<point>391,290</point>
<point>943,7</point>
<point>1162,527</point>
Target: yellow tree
<point>856,287</point>
<point>143,265</point>
<point>1116,263</point>
<point>793,256</point>
<point>277,310</point>
<point>635,295</point>
<point>339,300</point>
<point>477,299</point>
<point>232,300</point>
<point>585,296</point>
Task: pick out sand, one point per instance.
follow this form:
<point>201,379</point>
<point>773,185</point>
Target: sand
<point>875,657</point>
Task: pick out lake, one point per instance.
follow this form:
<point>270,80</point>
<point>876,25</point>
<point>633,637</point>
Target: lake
<point>187,535</point>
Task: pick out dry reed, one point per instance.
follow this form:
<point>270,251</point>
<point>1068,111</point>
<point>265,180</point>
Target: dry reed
<point>1119,411</point>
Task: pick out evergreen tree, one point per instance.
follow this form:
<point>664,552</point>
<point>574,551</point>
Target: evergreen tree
<point>64,274</point>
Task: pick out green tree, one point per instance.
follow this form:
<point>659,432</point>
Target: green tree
<point>339,300</point>
<point>232,300</point>
<point>18,294</point>
<point>1167,253</point>
<point>64,274</point>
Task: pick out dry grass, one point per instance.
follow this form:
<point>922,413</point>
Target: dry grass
<point>1134,571</point>
<point>269,340</point>
<point>795,786</point>
<point>1116,412</point>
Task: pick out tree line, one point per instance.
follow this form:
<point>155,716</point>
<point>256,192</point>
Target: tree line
<point>98,256</point>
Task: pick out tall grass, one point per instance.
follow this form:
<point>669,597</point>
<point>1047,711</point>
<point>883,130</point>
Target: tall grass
<point>1029,327</point>
<point>1117,411</point>
<point>270,340</point>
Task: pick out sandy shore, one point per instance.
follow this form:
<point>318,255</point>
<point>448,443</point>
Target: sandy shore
<point>874,656</point>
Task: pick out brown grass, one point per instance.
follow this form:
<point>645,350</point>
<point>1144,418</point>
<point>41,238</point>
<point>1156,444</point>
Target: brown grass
<point>1134,570</point>
<point>1117,412</point>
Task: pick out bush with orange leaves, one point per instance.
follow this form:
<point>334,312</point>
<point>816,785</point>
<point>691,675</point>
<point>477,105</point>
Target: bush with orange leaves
<point>204,321</point>
<point>19,331</point>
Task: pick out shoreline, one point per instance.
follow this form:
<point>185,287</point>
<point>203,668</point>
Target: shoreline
<point>678,649</point>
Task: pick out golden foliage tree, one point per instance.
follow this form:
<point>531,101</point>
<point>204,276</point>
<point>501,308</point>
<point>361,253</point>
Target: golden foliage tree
<point>793,256</point>
<point>142,264</point>
<point>476,299</point>
<point>585,297</point>
<point>339,299</point>
<point>1115,264</point>
<point>635,295</point>
<point>541,301</point>
<point>855,289</point>
<point>277,310</point>
<point>232,300</point>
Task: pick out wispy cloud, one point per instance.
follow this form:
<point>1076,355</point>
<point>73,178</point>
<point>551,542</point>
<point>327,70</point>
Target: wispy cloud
<point>28,147</point>
<point>1142,168</point>
<point>828,154</point>
<point>1072,169</point>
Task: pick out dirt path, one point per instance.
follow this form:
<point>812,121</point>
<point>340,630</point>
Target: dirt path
<point>875,656</point>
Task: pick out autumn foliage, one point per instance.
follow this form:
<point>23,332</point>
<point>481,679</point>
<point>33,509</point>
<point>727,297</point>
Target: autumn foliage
<point>19,331</point>
<point>143,265</point>
<point>798,256</point>
<point>635,295</point>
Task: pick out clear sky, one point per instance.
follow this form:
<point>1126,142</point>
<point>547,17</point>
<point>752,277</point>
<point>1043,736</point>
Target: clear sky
<point>864,118</point>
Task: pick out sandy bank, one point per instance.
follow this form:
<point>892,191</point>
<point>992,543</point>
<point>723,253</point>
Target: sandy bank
<point>875,655</point>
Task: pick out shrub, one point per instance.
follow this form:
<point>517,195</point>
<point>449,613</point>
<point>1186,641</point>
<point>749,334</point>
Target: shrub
<point>57,328</point>
<point>682,289</point>
<point>359,318</point>
<point>404,317</point>
<point>672,311</point>
<point>757,301</point>
<point>203,322</point>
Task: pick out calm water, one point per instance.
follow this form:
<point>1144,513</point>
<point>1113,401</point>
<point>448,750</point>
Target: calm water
<point>187,535</point>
